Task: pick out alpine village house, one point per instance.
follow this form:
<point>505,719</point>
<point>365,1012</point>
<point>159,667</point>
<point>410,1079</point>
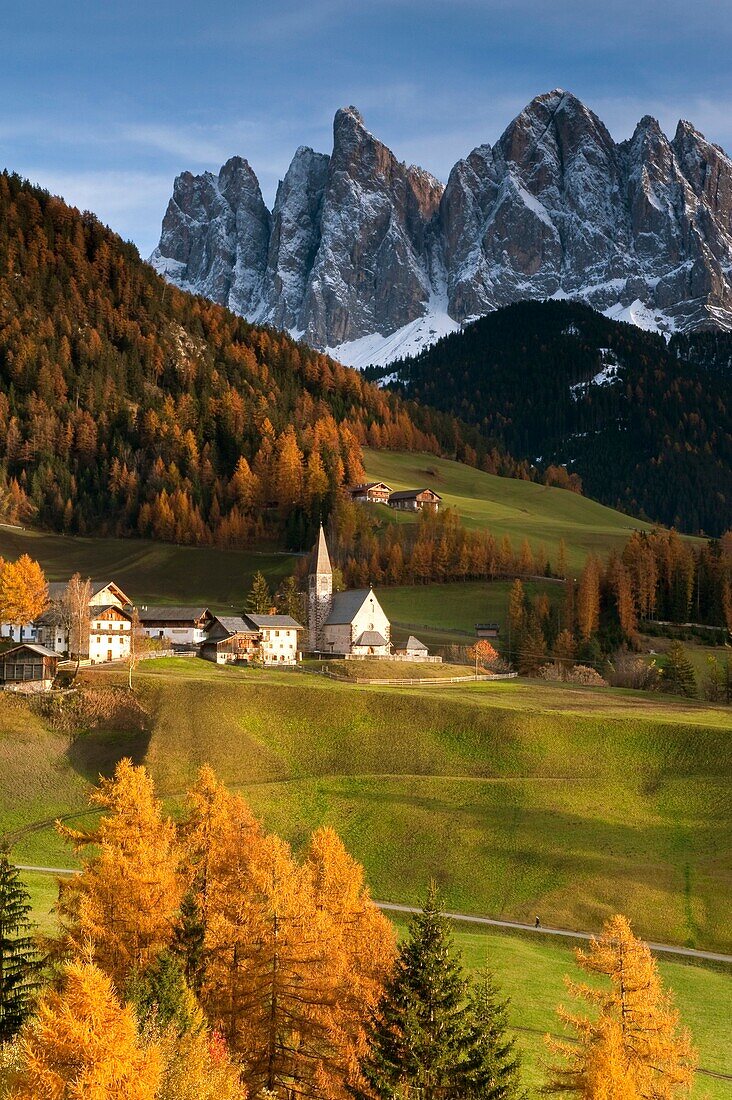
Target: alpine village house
<point>350,625</point>
<point>405,500</point>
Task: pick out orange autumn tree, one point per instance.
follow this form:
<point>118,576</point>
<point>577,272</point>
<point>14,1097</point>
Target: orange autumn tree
<point>82,1044</point>
<point>588,598</point>
<point>123,905</point>
<point>633,1048</point>
<point>295,954</point>
<point>482,653</point>
<point>23,591</point>
<point>359,951</point>
<point>258,932</point>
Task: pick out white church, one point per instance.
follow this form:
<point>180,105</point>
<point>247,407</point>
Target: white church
<point>343,624</point>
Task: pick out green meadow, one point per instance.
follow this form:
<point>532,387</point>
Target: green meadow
<point>515,798</point>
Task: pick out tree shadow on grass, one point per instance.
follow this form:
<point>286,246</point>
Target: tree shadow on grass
<point>98,752</point>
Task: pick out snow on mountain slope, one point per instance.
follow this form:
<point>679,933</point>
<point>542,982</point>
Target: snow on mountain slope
<point>372,259</point>
<point>377,350</point>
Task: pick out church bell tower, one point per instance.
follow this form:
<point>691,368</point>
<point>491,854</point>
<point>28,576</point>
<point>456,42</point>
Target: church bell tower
<point>320,592</point>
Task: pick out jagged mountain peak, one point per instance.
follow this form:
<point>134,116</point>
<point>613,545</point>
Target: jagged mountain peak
<point>648,125</point>
<point>563,112</point>
<point>360,247</point>
<point>351,115</point>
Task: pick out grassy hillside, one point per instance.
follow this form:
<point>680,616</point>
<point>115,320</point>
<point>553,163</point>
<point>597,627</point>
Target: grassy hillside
<point>515,798</point>
<point>519,509</point>
<point>150,572</point>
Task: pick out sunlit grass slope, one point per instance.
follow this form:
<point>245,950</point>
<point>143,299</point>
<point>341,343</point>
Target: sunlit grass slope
<point>515,798</point>
<point>519,509</point>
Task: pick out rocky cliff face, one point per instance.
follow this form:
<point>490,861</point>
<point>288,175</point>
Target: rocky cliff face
<point>361,246</point>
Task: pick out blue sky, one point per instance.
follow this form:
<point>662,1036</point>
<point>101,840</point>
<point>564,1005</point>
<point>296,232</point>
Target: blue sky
<point>105,101</point>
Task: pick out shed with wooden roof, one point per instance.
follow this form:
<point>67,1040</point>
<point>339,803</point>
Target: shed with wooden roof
<point>415,500</point>
<point>28,667</point>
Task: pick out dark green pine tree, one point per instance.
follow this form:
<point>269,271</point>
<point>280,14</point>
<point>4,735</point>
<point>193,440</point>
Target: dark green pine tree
<point>161,994</point>
<point>532,646</point>
<point>259,600</point>
<point>678,672</point>
<point>417,1039</point>
<point>189,939</point>
<point>20,963</point>
<point>492,1064</point>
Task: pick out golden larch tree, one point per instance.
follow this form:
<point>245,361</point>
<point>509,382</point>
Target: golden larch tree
<point>258,937</point>
<point>123,905</point>
<point>83,1045</point>
<point>358,950</point>
<point>516,610</point>
<point>588,598</point>
<point>23,591</point>
<point>288,482</point>
<point>561,563</point>
<point>633,1048</point>
<point>282,981</point>
<point>526,564</point>
<point>620,584</point>
<point>316,479</point>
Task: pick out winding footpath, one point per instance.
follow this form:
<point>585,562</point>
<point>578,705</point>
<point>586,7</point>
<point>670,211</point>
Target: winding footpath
<point>515,926</point>
<point>469,918</point>
<point>542,930</point>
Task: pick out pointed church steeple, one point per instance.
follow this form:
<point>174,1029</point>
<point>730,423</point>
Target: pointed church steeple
<point>321,557</point>
<point>320,591</point>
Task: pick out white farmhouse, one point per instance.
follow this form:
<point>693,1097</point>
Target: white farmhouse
<point>110,631</point>
<point>110,622</point>
<point>278,642</point>
<point>181,626</point>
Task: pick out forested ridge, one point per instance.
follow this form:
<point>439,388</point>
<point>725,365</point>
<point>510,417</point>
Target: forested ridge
<point>129,407</point>
<point>652,434</point>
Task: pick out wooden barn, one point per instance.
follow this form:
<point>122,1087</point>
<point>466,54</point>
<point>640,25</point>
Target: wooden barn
<point>374,492</point>
<point>231,640</point>
<point>28,667</point>
<point>415,500</point>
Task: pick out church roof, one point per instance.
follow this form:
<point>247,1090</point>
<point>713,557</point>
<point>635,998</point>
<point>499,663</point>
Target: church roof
<point>371,638</point>
<point>414,643</point>
<point>346,606</point>
<point>321,558</point>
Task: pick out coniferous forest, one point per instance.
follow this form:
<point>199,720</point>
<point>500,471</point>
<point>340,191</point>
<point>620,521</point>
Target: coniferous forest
<point>128,407</point>
<point>645,423</point>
